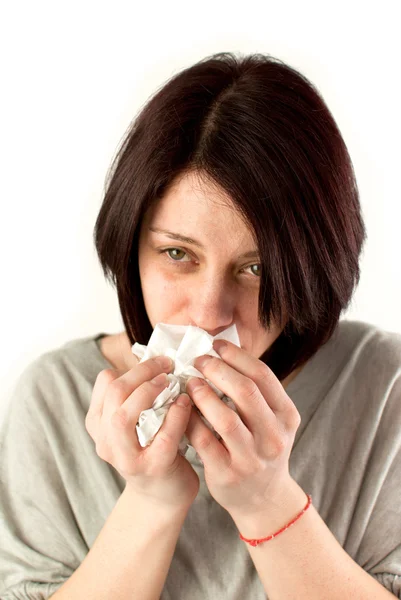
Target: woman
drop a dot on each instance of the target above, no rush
(232, 201)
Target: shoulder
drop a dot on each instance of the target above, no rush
(368, 371)
(369, 345)
(358, 344)
(360, 361)
(66, 372)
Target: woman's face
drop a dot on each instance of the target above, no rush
(199, 265)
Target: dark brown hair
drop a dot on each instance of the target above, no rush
(261, 131)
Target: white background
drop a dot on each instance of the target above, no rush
(73, 76)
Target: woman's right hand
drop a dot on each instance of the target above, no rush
(157, 472)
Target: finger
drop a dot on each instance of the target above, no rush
(253, 408)
(211, 451)
(164, 447)
(227, 423)
(92, 419)
(258, 371)
(122, 422)
(269, 385)
(121, 388)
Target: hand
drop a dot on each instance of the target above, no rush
(248, 467)
(157, 472)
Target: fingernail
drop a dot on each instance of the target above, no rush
(164, 361)
(202, 360)
(161, 379)
(194, 383)
(219, 345)
(183, 400)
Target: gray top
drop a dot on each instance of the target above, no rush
(56, 493)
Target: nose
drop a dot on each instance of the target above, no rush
(212, 305)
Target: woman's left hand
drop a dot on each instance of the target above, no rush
(248, 467)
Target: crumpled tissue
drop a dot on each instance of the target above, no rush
(183, 344)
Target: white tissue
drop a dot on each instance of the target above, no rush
(183, 344)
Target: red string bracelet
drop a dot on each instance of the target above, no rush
(270, 537)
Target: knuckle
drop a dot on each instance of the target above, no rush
(232, 479)
(231, 424)
(164, 437)
(204, 440)
(107, 375)
(278, 445)
(150, 368)
(249, 390)
(262, 372)
(120, 418)
(117, 390)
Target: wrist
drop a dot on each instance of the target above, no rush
(158, 510)
(283, 506)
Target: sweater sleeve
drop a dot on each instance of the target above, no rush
(41, 545)
(380, 546)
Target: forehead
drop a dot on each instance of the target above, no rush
(195, 205)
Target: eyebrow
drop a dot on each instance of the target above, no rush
(188, 240)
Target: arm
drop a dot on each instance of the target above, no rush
(131, 556)
(312, 563)
(249, 477)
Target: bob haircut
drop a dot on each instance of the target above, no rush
(261, 131)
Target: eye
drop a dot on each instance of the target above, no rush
(255, 269)
(176, 254)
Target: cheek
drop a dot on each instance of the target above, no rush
(248, 306)
(161, 293)
(254, 337)
(157, 281)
